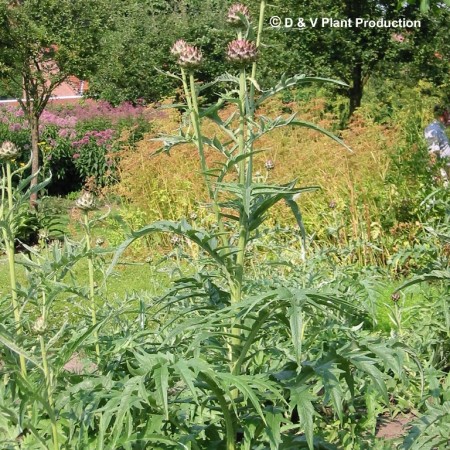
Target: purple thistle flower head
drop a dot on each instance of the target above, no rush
(242, 52)
(178, 47)
(191, 57)
(15, 127)
(233, 16)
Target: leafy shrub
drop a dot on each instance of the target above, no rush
(79, 142)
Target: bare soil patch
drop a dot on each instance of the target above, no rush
(393, 428)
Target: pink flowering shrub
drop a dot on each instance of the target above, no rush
(78, 141)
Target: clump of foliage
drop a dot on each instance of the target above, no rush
(43, 44)
(79, 142)
(257, 343)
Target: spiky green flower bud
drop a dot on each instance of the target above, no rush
(39, 326)
(8, 151)
(86, 201)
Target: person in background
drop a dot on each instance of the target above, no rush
(437, 140)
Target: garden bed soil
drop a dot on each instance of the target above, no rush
(393, 428)
(79, 365)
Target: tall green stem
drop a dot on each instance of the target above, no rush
(236, 293)
(9, 246)
(195, 117)
(188, 96)
(91, 282)
(230, 432)
(244, 181)
(252, 86)
(47, 374)
(192, 102)
(258, 43)
(48, 383)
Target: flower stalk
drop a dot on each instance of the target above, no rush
(87, 229)
(192, 103)
(9, 151)
(86, 203)
(40, 327)
(262, 9)
(245, 181)
(195, 117)
(251, 111)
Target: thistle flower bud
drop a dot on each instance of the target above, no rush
(242, 52)
(233, 17)
(269, 164)
(178, 47)
(39, 326)
(8, 151)
(190, 57)
(86, 202)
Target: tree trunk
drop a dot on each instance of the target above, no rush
(353, 10)
(34, 126)
(356, 90)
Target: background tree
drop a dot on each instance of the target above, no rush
(424, 5)
(140, 42)
(42, 44)
(143, 33)
(353, 54)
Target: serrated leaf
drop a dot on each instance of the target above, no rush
(161, 379)
(286, 83)
(187, 375)
(274, 418)
(8, 342)
(312, 126)
(202, 238)
(302, 399)
(329, 374)
(296, 325)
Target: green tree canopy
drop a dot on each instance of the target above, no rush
(140, 42)
(42, 42)
(353, 54)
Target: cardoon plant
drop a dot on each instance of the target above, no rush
(9, 152)
(240, 206)
(86, 203)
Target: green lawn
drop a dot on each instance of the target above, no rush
(127, 283)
